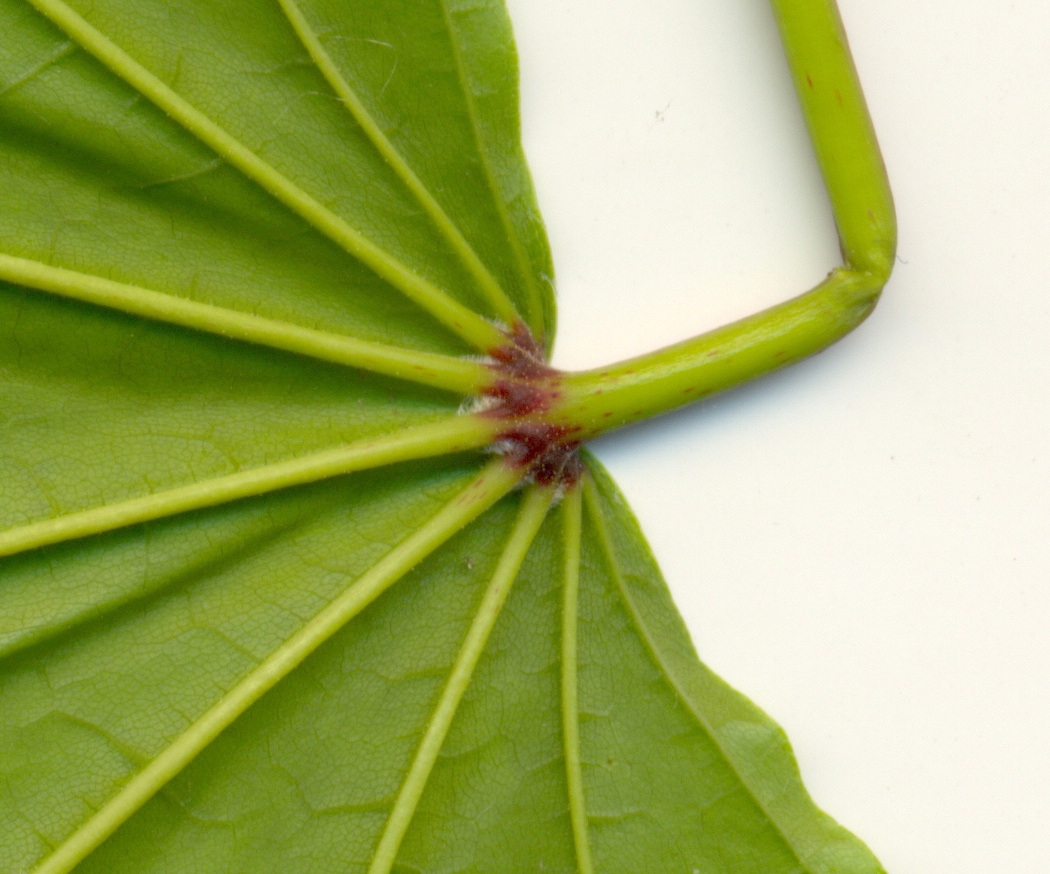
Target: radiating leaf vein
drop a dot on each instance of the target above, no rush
(481, 493)
(570, 707)
(530, 518)
(457, 433)
(486, 282)
(424, 368)
(460, 319)
(597, 517)
(521, 258)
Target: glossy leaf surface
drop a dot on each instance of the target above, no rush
(414, 667)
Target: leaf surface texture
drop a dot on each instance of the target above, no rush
(584, 734)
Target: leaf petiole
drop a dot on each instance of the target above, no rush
(594, 401)
(818, 55)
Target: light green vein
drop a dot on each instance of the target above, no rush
(460, 319)
(530, 517)
(572, 512)
(455, 434)
(597, 516)
(442, 371)
(487, 283)
(53, 57)
(492, 484)
(19, 633)
(521, 258)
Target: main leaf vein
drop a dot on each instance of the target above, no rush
(426, 368)
(570, 707)
(521, 258)
(530, 518)
(455, 434)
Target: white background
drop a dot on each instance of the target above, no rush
(862, 543)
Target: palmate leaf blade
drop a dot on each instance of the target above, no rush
(113, 645)
(90, 418)
(728, 784)
(247, 71)
(105, 184)
(140, 200)
(469, 48)
(310, 773)
(171, 617)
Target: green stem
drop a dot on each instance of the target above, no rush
(484, 491)
(842, 133)
(595, 401)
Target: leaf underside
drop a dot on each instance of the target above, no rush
(582, 733)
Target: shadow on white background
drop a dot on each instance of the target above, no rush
(862, 543)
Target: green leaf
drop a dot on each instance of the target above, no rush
(266, 602)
